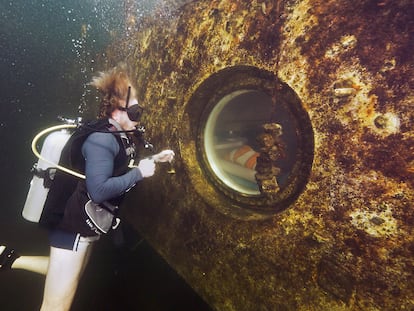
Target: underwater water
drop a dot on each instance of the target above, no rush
(49, 49)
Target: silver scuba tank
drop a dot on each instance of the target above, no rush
(44, 172)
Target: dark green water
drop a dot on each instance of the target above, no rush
(48, 50)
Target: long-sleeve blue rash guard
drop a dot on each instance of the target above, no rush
(99, 151)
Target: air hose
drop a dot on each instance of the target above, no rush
(37, 154)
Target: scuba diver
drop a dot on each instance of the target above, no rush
(78, 211)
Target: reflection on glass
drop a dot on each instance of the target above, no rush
(231, 139)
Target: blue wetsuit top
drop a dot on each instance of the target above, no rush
(99, 151)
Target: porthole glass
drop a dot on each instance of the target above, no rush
(233, 140)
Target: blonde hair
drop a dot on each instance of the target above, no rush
(113, 86)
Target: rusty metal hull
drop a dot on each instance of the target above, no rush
(345, 241)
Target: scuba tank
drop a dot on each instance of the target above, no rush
(43, 172)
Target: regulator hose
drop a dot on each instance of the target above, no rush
(37, 154)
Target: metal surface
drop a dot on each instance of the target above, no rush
(345, 242)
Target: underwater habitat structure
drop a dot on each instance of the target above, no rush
(292, 127)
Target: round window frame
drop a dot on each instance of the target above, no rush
(202, 102)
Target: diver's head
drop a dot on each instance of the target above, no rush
(118, 96)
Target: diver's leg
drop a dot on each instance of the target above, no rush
(87, 256)
(63, 275)
(37, 264)
(9, 259)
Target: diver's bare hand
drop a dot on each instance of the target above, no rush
(164, 156)
(147, 167)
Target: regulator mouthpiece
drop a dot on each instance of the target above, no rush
(139, 134)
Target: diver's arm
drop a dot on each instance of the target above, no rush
(99, 151)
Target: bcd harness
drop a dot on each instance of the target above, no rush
(67, 191)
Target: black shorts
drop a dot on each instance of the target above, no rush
(68, 240)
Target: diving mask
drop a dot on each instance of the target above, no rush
(134, 112)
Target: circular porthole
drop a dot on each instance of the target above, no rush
(254, 140)
(232, 140)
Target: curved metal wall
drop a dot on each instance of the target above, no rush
(345, 242)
